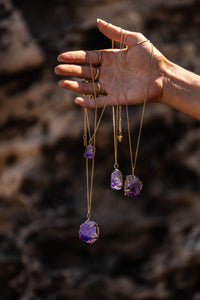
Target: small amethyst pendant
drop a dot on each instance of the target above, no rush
(89, 232)
(132, 186)
(89, 152)
(116, 180)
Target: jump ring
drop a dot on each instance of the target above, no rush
(116, 166)
(97, 75)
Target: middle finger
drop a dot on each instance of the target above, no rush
(87, 88)
(86, 72)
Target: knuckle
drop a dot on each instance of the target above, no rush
(87, 56)
(80, 71)
(140, 36)
(85, 88)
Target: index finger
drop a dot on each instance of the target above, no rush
(118, 34)
(80, 57)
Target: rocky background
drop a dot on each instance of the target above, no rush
(149, 248)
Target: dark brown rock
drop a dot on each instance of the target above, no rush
(149, 248)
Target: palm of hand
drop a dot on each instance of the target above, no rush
(129, 69)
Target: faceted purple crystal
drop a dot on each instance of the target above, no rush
(89, 232)
(116, 180)
(89, 152)
(132, 186)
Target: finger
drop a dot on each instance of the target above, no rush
(87, 88)
(85, 72)
(100, 101)
(118, 34)
(80, 57)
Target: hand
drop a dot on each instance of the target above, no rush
(116, 65)
(169, 83)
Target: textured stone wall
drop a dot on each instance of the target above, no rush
(149, 248)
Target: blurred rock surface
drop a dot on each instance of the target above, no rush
(149, 249)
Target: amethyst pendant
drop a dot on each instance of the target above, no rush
(116, 180)
(89, 232)
(132, 186)
(89, 152)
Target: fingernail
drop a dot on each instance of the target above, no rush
(59, 58)
(76, 101)
(100, 20)
(55, 70)
(60, 83)
(79, 100)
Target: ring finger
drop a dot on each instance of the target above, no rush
(87, 88)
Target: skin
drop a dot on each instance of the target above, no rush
(169, 83)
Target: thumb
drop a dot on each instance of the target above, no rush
(118, 34)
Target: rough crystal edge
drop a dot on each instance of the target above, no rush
(128, 192)
(86, 239)
(89, 152)
(120, 174)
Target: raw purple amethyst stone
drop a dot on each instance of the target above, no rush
(89, 152)
(116, 180)
(132, 186)
(89, 232)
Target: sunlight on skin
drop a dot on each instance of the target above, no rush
(169, 83)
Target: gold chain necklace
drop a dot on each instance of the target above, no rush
(133, 185)
(116, 181)
(89, 230)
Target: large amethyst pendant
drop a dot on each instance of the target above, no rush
(132, 186)
(116, 180)
(89, 152)
(89, 232)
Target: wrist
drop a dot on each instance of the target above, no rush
(181, 89)
(160, 79)
(168, 78)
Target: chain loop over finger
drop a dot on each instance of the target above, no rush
(99, 57)
(99, 88)
(97, 75)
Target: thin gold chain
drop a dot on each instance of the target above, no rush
(114, 136)
(87, 187)
(133, 164)
(116, 116)
(105, 102)
(88, 123)
(119, 121)
(86, 160)
(127, 114)
(92, 139)
(86, 126)
(95, 99)
(96, 125)
(143, 110)
(128, 125)
(114, 125)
